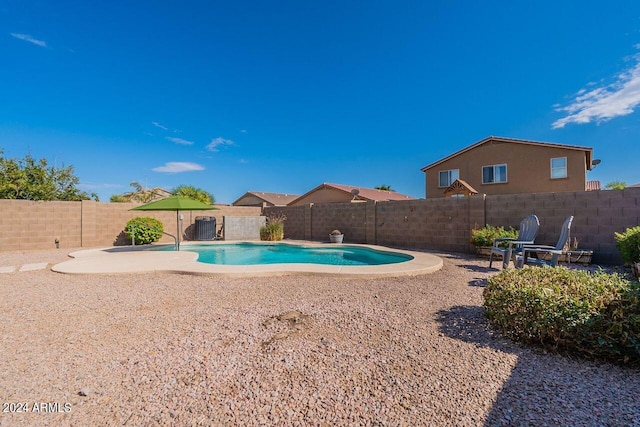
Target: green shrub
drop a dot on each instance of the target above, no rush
(484, 236)
(147, 230)
(629, 244)
(595, 316)
(274, 229)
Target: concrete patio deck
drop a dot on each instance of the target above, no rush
(140, 259)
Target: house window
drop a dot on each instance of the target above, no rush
(447, 177)
(494, 174)
(558, 167)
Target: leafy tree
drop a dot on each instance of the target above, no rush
(118, 198)
(384, 187)
(615, 185)
(31, 179)
(139, 194)
(194, 193)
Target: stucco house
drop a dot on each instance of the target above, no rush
(497, 165)
(336, 193)
(260, 198)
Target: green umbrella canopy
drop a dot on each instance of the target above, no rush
(175, 203)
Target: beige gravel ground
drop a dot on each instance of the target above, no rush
(167, 349)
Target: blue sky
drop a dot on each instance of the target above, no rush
(281, 96)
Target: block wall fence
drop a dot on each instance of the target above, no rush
(446, 223)
(438, 224)
(27, 225)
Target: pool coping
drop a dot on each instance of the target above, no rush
(138, 259)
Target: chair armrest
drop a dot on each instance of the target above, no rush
(501, 239)
(520, 242)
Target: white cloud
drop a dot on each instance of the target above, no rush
(158, 125)
(28, 38)
(243, 131)
(604, 102)
(179, 141)
(218, 142)
(89, 186)
(176, 167)
(243, 161)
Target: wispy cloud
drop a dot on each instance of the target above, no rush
(179, 140)
(176, 167)
(243, 161)
(158, 125)
(604, 102)
(90, 186)
(28, 38)
(243, 131)
(218, 142)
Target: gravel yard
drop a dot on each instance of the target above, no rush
(168, 349)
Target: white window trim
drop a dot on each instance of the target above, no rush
(506, 173)
(447, 170)
(566, 167)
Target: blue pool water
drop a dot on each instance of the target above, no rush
(251, 254)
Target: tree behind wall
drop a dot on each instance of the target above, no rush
(615, 185)
(194, 193)
(32, 179)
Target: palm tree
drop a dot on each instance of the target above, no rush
(384, 187)
(194, 193)
(139, 194)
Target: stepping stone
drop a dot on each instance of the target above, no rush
(34, 266)
(9, 269)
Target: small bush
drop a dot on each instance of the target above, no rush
(274, 229)
(629, 244)
(484, 236)
(147, 230)
(595, 316)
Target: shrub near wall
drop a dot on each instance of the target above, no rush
(596, 316)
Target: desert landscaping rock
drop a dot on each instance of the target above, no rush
(169, 349)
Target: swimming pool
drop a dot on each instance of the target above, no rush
(280, 253)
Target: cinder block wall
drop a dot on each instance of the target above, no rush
(297, 226)
(28, 225)
(446, 223)
(349, 218)
(443, 223)
(434, 223)
(597, 216)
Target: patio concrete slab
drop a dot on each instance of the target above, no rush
(34, 266)
(141, 259)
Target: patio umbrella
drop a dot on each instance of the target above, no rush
(175, 203)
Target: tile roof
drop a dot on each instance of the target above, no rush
(363, 192)
(278, 199)
(593, 185)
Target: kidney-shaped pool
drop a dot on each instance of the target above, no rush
(280, 253)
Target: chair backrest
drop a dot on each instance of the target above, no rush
(564, 233)
(529, 228)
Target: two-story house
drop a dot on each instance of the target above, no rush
(498, 165)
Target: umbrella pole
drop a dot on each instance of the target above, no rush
(177, 230)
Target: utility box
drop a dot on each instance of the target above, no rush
(205, 228)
